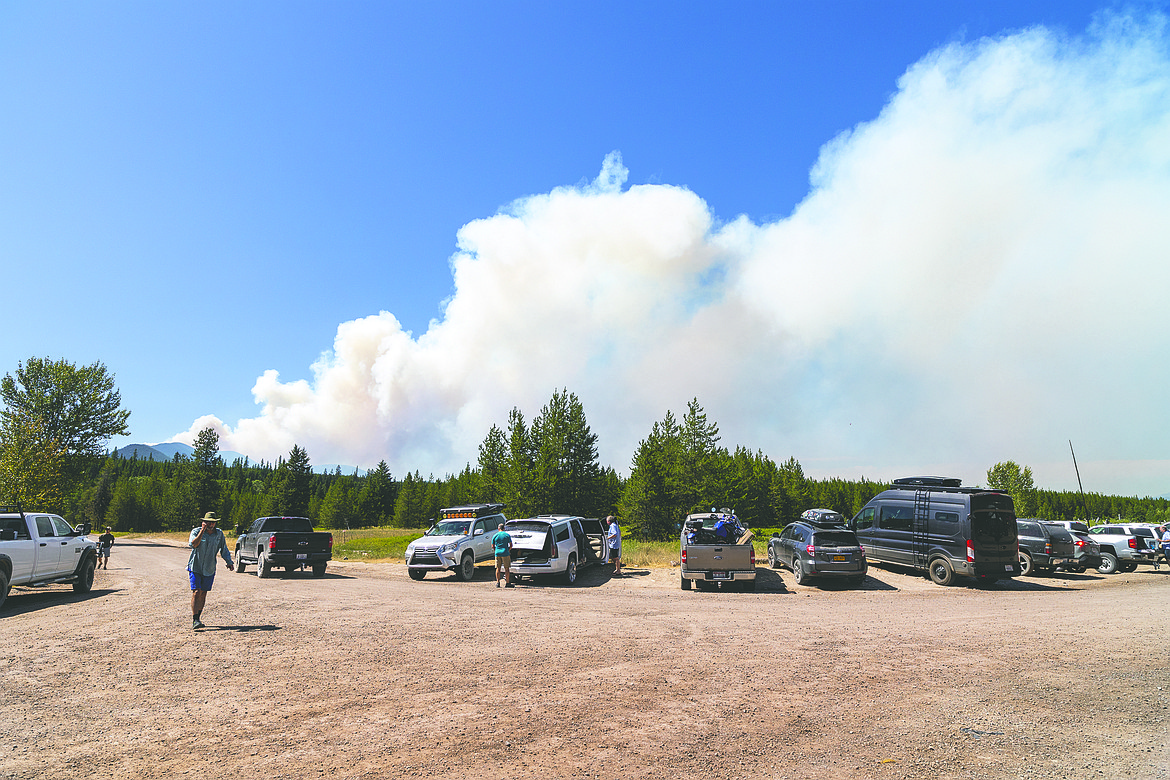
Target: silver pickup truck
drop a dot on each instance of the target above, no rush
(714, 549)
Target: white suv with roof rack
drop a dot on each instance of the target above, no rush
(461, 538)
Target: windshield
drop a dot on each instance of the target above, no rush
(450, 528)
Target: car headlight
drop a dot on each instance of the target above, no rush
(450, 547)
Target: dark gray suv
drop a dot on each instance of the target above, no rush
(824, 547)
(1043, 546)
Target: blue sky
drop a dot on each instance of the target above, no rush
(884, 238)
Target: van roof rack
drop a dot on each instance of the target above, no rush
(942, 482)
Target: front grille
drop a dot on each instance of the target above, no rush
(425, 558)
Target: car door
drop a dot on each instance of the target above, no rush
(48, 561)
(71, 546)
(482, 531)
(787, 547)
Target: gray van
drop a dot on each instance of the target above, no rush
(935, 524)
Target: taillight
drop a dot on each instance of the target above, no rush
(330, 542)
(684, 555)
(556, 553)
(272, 542)
(1048, 548)
(1079, 542)
(753, 556)
(862, 548)
(812, 550)
(970, 552)
(1132, 543)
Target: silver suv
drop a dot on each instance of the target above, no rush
(460, 539)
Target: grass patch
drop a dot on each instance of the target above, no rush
(374, 544)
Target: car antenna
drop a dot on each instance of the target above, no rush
(1084, 503)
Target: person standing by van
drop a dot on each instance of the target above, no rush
(502, 543)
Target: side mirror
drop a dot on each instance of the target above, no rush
(775, 535)
(477, 532)
(81, 530)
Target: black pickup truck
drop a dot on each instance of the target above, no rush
(290, 542)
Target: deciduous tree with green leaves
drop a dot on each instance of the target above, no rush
(1009, 476)
(79, 406)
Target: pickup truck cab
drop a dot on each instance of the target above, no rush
(556, 546)
(290, 542)
(38, 548)
(715, 549)
(461, 538)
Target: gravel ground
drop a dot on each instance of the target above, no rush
(365, 673)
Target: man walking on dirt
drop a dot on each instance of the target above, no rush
(206, 542)
(502, 542)
(105, 542)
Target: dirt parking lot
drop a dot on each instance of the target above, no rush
(365, 673)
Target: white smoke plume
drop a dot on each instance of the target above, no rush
(978, 274)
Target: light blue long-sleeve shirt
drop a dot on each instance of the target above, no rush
(202, 560)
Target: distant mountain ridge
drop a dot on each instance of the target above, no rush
(167, 451)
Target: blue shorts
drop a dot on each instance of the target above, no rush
(200, 581)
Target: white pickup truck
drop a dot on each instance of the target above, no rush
(37, 548)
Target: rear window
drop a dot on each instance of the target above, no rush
(15, 524)
(1028, 529)
(1143, 532)
(834, 539)
(526, 525)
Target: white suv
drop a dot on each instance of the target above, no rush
(460, 539)
(556, 545)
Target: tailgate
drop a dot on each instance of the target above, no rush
(718, 557)
(288, 542)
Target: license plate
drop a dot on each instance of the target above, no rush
(719, 575)
(302, 556)
(840, 557)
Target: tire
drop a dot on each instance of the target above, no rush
(318, 570)
(570, 575)
(465, 571)
(1108, 563)
(941, 572)
(239, 563)
(684, 583)
(83, 582)
(1126, 568)
(263, 567)
(3, 589)
(798, 572)
(773, 561)
(1027, 565)
(416, 574)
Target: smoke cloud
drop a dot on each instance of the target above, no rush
(978, 274)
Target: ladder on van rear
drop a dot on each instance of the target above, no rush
(921, 540)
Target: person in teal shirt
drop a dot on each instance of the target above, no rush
(502, 542)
